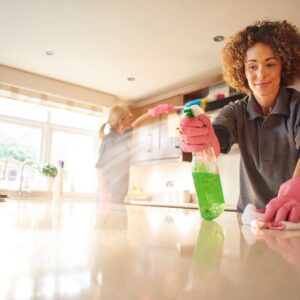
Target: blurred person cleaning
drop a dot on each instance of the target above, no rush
(113, 164)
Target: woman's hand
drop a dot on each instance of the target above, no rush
(197, 133)
(286, 206)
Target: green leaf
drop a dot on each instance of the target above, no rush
(48, 170)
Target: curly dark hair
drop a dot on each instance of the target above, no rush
(282, 37)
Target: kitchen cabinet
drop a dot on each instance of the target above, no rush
(158, 138)
(144, 142)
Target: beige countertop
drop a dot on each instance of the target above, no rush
(85, 250)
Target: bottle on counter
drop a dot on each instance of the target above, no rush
(207, 183)
(58, 184)
(206, 175)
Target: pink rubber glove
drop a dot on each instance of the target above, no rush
(197, 133)
(160, 109)
(286, 206)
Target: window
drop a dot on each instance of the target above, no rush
(23, 110)
(42, 134)
(18, 142)
(74, 119)
(77, 152)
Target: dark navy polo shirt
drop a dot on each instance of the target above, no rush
(269, 145)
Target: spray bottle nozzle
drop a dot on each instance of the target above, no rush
(195, 108)
(193, 102)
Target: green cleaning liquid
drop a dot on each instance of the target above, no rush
(209, 194)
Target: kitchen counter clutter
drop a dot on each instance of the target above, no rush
(87, 250)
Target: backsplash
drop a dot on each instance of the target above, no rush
(155, 178)
(159, 178)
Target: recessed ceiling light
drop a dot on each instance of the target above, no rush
(218, 38)
(131, 79)
(49, 52)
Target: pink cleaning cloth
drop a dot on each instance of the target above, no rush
(253, 217)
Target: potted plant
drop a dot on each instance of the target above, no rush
(50, 171)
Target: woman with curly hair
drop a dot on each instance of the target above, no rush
(261, 61)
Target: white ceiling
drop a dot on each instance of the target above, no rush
(164, 44)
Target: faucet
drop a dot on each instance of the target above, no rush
(25, 162)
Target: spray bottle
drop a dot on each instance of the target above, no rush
(205, 172)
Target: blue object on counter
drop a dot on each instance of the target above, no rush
(61, 164)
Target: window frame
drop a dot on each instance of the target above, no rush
(47, 133)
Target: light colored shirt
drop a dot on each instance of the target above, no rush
(114, 162)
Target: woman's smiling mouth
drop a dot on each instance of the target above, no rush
(262, 84)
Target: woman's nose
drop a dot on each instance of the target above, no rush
(261, 72)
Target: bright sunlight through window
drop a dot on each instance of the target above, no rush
(46, 135)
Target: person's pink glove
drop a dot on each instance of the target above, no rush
(286, 206)
(197, 133)
(160, 109)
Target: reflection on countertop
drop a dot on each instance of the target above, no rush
(88, 250)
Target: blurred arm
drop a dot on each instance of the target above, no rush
(152, 113)
(140, 120)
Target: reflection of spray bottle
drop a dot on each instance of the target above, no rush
(207, 256)
(206, 173)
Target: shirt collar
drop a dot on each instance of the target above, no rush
(281, 106)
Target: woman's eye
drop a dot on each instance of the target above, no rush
(252, 67)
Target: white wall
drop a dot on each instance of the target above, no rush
(155, 178)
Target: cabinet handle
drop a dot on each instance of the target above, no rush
(149, 148)
(176, 139)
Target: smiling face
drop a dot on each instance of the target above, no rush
(263, 73)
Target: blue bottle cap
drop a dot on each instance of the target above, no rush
(61, 164)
